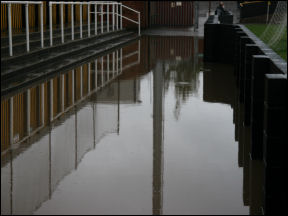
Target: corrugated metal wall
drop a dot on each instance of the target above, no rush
(169, 13)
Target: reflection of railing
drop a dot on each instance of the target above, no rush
(102, 76)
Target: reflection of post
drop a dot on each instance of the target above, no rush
(195, 54)
(42, 105)
(121, 58)
(89, 74)
(51, 100)
(157, 139)
(73, 86)
(102, 71)
(28, 111)
(113, 64)
(94, 132)
(117, 62)
(62, 92)
(81, 81)
(96, 75)
(118, 106)
(107, 62)
(11, 119)
(76, 159)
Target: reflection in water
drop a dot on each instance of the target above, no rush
(64, 151)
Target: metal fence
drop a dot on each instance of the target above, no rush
(113, 12)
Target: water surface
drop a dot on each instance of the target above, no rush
(157, 137)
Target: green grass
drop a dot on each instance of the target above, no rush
(280, 48)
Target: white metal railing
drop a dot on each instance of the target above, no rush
(116, 14)
(27, 3)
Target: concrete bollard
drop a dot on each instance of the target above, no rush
(250, 50)
(260, 66)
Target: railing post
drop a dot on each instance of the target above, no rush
(107, 16)
(139, 24)
(10, 29)
(62, 23)
(117, 17)
(72, 21)
(41, 25)
(96, 14)
(139, 51)
(81, 33)
(27, 26)
(117, 62)
(89, 77)
(50, 24)
(113, 17)
(88, 17)
(121, 19)
(102, 30)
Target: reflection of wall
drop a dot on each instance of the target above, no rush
(30, 183)
(219, 84)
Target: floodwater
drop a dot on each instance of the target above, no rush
(157, 137)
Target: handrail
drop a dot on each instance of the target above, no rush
(116, 12)
(27, 3)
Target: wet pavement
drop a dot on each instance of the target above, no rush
(151, 133)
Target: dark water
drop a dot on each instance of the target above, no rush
(157, 138)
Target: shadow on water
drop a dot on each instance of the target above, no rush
(89, 140)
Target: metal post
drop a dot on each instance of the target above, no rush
(107, 16)
(27, 26)
(268, 7)
(121, 19)
(96, 74)
(89, 77)
(88, 17)
(50, 24)
(81, 33)
(102, 30)
(117, 17)
(72, 21)
(62, 24)
(42, 105)
(10, 29)
(11, 119)
(28, 112)
(73, 86)
(96, 16)
(139, 24)
(113, 17)
(41, 25)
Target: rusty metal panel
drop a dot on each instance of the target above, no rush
(168, 13)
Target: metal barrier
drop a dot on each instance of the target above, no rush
(27, 3)
(115, 13)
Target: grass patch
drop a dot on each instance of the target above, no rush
(280, 48)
